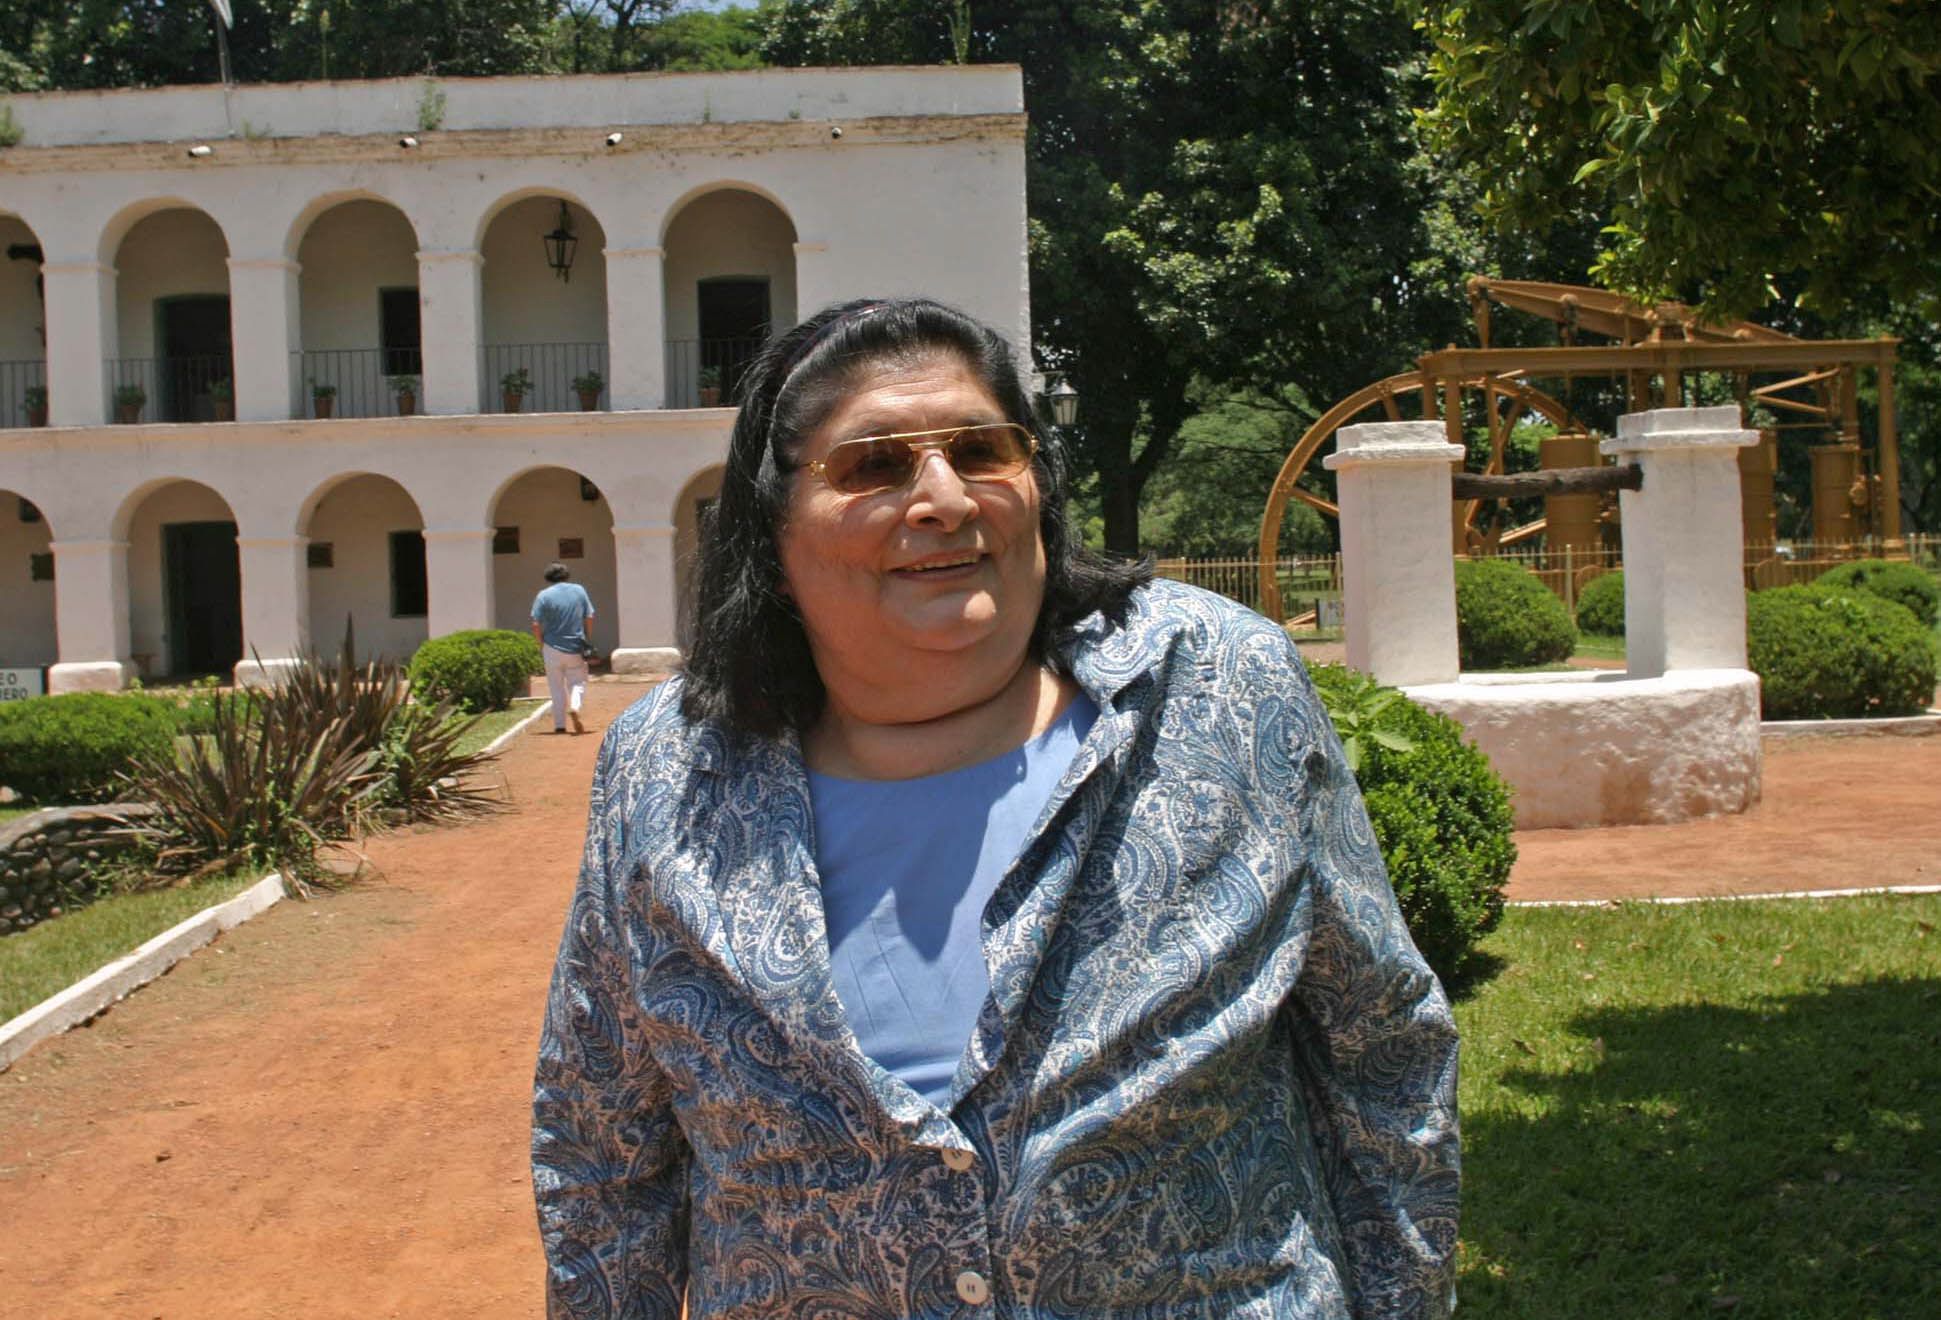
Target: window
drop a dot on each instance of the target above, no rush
(322, 554)
(505, 540)
(408, 590)
(397, 314)
(40, 568)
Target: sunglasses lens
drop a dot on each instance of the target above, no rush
(989, 453)
(879, 463)
(860, 467)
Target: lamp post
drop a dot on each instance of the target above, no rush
(560, 245)
(1064, 404)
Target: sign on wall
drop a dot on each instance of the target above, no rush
(20, 684)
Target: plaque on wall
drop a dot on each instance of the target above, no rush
(572, 547)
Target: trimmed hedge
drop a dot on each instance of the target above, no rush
(1900, 582)
(1823, 653)
(72, 748)
(477, 670)
(1506, 617)
(1600, 605)
(1441, 814)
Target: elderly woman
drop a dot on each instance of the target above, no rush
(977, 928)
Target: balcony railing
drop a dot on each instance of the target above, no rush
(551, 369)
(172, 389)
(725, 359)
(363, 381)
(16, 378)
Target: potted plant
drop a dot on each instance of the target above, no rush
(129, 402)
(515, 386)
(222, 393)
(406, 388)
(588, 387)
(323, 397)
(710, 383)
(34, 404)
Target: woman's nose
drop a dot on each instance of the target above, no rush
(938, 496)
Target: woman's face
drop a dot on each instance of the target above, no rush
(941, 571)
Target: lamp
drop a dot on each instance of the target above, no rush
(1064, 403)
(560, 244)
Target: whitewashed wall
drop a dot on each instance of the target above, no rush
(546, 506)
(525, 303)
(348, 254)
(165, 255)
(26, 606)
(177, 502)
(20, 327)
(728, 232)
(357, 518)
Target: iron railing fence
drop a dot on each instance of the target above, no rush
(1309, 584)
(171, 389)
(1564, 570)
(721, 360)
(361, 381)
(16, 378)
(551, 369)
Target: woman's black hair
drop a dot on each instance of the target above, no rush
(748, 664)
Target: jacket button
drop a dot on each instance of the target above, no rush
(958, 1161)
(972, 1288)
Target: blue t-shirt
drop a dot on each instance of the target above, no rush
(907, 866)
(561, 611)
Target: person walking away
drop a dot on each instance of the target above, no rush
(562, 616)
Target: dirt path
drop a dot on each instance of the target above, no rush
(325, 1114)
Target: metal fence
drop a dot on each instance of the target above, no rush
(359, 381)
(171, 389)
(1310, 584)
(697, 364)
(16, 378)
(551, 370)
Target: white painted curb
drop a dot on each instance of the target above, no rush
(122, 977)
(1904, 726)
(1724, 898)
(498, 744)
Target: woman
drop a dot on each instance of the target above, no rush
(977, 928)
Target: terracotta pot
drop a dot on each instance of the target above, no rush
(324, 405)
(407, 403)
(37, 416)
(710, 396)
(514, 402)
(127, 414)
(225, 409)
(589, 400)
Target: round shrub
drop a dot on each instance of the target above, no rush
(1900, 582)
(1441, 814)
(478, 669)
(1506, 617)
(70, 748)
(1600, 605)
(1827, 654)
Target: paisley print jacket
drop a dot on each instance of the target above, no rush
(1213, 1077)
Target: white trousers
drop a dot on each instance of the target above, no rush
(565, 682)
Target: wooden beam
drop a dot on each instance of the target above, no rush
(1557, 481)
(1664, 356)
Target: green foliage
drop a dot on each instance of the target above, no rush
(73, 748)
(1898, 581)
(431, 108)
(1724, 144)
(1441, 814)
(518, 381)
(130, 396)
(1600, 605)
(1824, 653)
(10, 130)
(1506, 617)
(477, 669)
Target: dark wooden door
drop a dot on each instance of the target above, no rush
(195, 355)
(204, 581)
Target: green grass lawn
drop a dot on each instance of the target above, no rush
(1714, 1109)
(14, 812)
(495, 722)
(1594, 647)
(47, 958)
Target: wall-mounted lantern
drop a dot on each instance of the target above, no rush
(560, 245)
(1064, 403)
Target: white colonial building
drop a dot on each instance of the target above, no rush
(300, 258)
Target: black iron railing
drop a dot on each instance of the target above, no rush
(356, 382)
(171, 389)
(23, 393)
(550, 371)
(703, 373)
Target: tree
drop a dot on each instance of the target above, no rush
(1737, 149)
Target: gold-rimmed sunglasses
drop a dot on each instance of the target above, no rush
(989, 451)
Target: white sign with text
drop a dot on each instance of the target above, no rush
(20, 684)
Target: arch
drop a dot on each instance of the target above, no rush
(357, 293)
(366, 564)
(700, 491)
(505, 201)
(27, 638)
(23, 322)
(701, 190)
(300, 224)
(121, 222)
(185, 606)
(172, 339)
(541, 507)
(728, 282)
(553, 330)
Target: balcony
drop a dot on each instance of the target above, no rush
(547, 371)
(704, 373)
(16, 379)
(171, 389)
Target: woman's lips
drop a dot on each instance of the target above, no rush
(941, 566)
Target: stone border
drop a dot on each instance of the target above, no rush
(499, 743)
(1903, 726)
(120, 978)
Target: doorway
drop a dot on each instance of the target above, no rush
(733, 323)
(193, 332)
(203, 586)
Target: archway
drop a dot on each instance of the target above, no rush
(172, 314)
(359, 293)
(700, 492)
(730, 282)
(23, 327)
(549, 514)
(367, 566)
(27, 639)
(552, 329)
(185, 598)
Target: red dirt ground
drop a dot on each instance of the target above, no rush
(325, 1114)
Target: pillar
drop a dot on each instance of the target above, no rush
(81, 337)
(1758, 466)
(1684, 576)
(265, 323)
(1836, 475)
(458, 579)
(276, 606)
(648, 602)
(1398, 579)
(636, 328)
(451, 315)
(817, 283)
(90, 616)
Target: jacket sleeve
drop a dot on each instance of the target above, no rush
(609, 1162)
(1377, 1046)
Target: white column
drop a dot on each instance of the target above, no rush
(1684, 571)
(265, 323)
(458, 578)
(90, 616)
(636, 328)
(451, 316)
(276, 606)
(644, 569)
(1398, 579)
(815, 285)
(81, 336)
